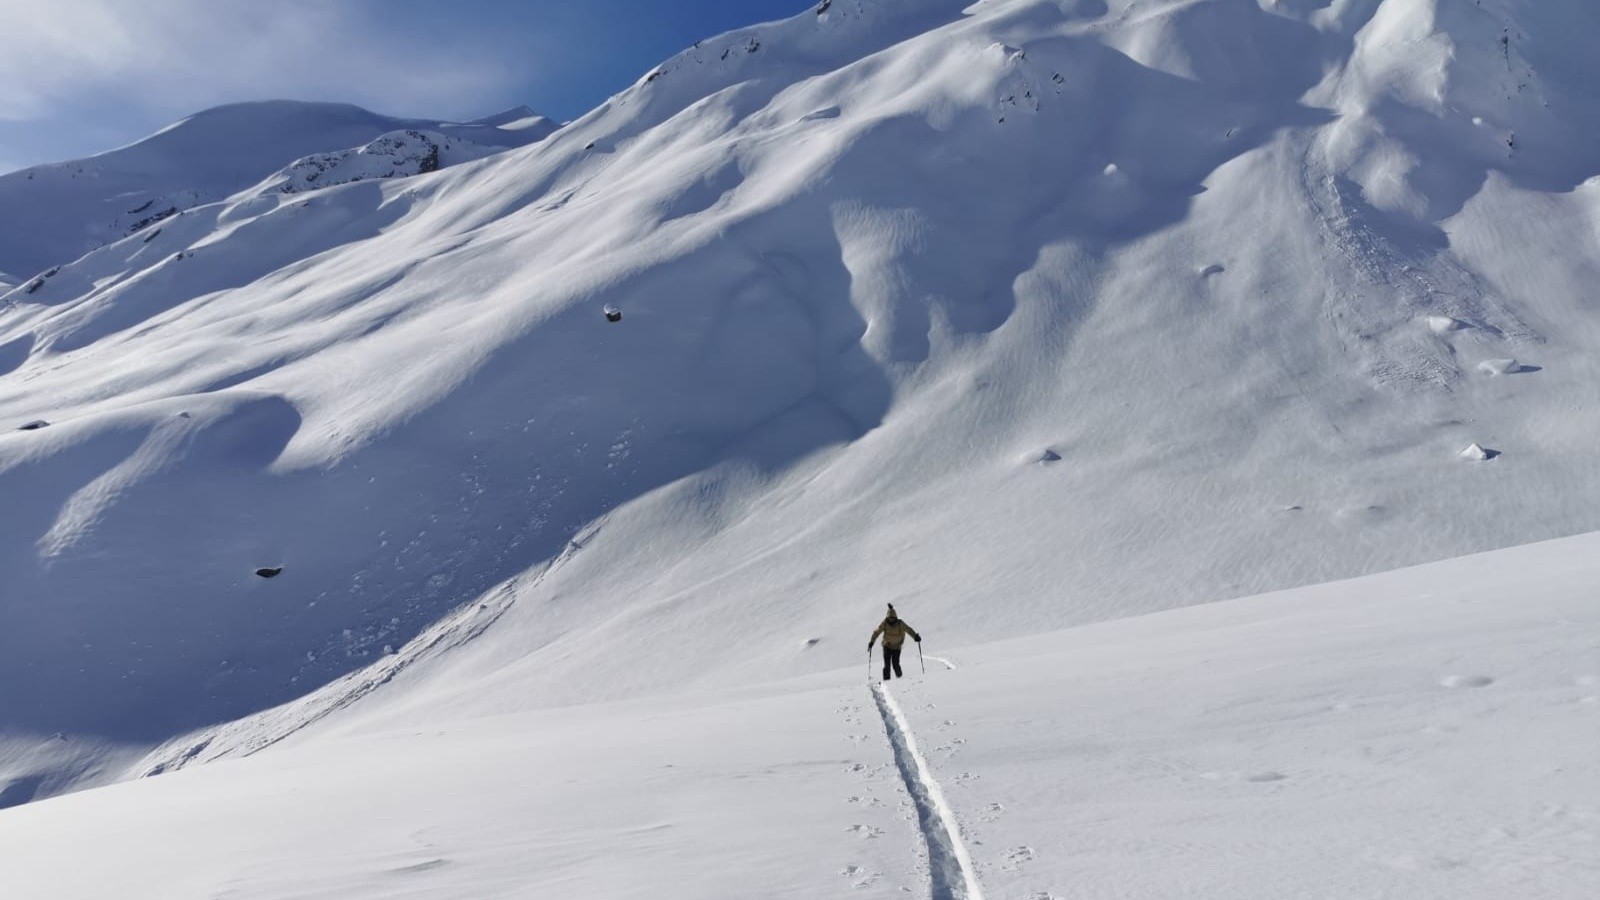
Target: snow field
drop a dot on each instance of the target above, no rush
(1422, 733)
(756, 794)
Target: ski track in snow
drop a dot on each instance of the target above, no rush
(943, 662)
(951, 875)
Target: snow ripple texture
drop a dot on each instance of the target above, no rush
(950, 871)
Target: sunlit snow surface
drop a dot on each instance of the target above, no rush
(1020, 315)
(1426, 733)
(52, 214)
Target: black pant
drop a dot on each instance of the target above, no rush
(891, 657)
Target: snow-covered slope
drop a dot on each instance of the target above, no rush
(1425, 734)
(1020, 314)
(52, 214)
(399, 154)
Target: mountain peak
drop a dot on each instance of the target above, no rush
(504, 117)
(52, 214)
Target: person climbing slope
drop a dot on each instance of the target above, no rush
(894, 633)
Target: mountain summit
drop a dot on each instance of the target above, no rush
(52, 214)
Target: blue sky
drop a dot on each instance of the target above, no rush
(82, 76)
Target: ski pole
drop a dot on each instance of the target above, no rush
(869, 662)
(919, 658)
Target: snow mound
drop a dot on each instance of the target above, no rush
(1476, 452)
(1444, 324)
(1500, 367)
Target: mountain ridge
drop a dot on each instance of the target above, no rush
(58, 211)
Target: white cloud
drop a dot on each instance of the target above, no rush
(172, 57)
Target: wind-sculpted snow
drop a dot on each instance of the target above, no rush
(1021, 314)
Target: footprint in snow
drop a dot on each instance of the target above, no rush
(862, 878)
(1266, 777)
(864, 831)
(1016, 856)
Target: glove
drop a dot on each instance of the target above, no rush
(869, 646)
(916, 638)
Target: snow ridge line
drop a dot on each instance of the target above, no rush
(951, 874)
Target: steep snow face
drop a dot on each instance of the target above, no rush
(52, 214)
(1018, 314)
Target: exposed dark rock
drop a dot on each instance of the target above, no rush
(149, 220)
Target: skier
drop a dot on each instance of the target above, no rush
(894, 633)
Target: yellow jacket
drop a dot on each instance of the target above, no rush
(894, 633)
